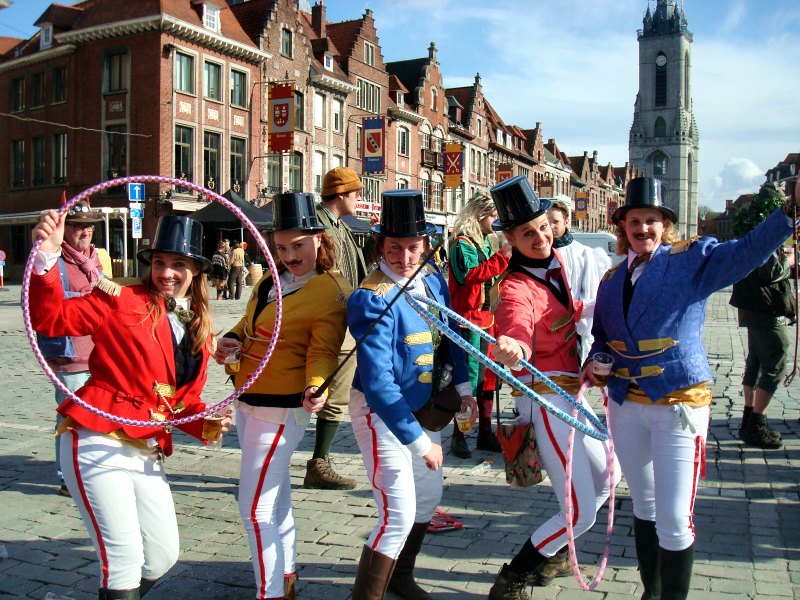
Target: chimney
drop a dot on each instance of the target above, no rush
(432, 52)
(318, 19)
(594, 156)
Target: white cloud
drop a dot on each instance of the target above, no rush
(738, 176)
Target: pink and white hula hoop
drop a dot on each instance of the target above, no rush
(569, 508)
(26, 279)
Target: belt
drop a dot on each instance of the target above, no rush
(569, 383)
(694, 395)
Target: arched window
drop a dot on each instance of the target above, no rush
(661, 80)
(687, 101)
(660, 128)
(660, 165)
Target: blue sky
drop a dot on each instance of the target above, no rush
(573, 66)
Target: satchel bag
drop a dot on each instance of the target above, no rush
(520, 454)
(440, 410)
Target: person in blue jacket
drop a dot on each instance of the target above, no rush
(649, 316)
(400, 363)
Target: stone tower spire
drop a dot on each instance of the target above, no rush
(664, 141)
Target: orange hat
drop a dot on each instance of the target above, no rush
(340, 180)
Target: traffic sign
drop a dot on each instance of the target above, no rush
(136, 228)
(2, 255)
(137, 213)
(135, 192)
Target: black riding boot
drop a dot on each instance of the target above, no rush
(676, 573)
(647, 555)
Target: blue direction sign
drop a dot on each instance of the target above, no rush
(136, 192)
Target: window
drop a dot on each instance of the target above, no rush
(336, 161)
(212, 81)
(434, 97)
(359, 131)
(660, 164)
(60, 158)
(473, 166)
(372, 189)
(237, 161)
(296, 172)
(403, 137)
(286, 43)
(661, 81)
(320, 116)
(37, 90)
(400, 98)
(211, 17)
(402, 184)
(37, 161)
(338, 116)
(437, 195)
(369, 96)
(17, 163)
(687, 101)
(274, 172)
(298, 111)
(18, 94)
(426, 141)
(660, 128)
(238, 88)
(117, 142)
(116, 72)
(319, 170)
(46, 38)
(480, 128)
(184, 151)
(369, 54)
(184, 73)
(424, 185)
(328, 62)
(59, 83)
(211, 148)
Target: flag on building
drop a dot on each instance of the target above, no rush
(281, 117)
(612, 206)
(504, 171)
(373, 148)
(580, 205)
(452, 165)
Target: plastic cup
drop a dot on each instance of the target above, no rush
(464, 420)
(601, 366)
(233, 349)
(212, 427)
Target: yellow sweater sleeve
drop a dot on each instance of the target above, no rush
(327, 330)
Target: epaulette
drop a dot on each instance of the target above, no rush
(110, 287)
(608, 273)
(683, 245)
(344, 287)
(378, 282)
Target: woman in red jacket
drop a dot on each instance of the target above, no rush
(152, 343)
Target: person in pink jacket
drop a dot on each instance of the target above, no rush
(536, 320)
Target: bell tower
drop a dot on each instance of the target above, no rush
(664, 142)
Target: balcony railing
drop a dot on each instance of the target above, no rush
(431, 158)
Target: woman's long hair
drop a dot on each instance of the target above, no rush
(669, 237)
(474, 210)
(199, 329)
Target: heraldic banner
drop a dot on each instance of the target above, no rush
(372, 145)
(452, 165)
(281, 117)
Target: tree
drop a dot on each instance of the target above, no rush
(702, 211)
(769, 198)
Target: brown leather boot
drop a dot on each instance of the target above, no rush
(402, 582)
(321, 476)
(374, 572)
(509, 585)
(557, 565)
(288, 586)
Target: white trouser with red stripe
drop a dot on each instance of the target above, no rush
(590, 484)
(405, 490)
(125, 502)
(265, 491)
(662, 460)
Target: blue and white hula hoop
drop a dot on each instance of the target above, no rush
(597, 430)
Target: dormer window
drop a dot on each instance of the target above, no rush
(46, 37)
(211, 17)
(400, 99)
(328, 61)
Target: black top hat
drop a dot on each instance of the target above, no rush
(517, 203)
(643, 192)
(295, 210)
(81, 212)
(178, 235)
(403, 215)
